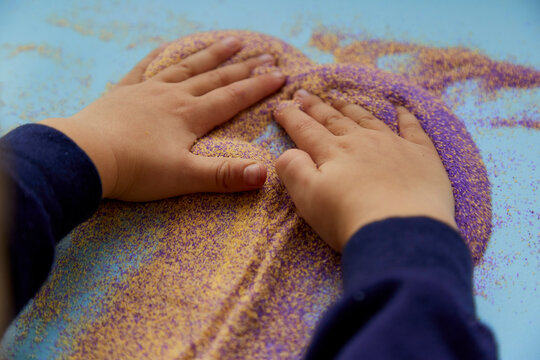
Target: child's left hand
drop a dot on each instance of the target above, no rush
(140, 134)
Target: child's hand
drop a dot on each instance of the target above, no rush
(140, 134)
(350, 169)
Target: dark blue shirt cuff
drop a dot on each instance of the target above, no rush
(55, 186)
(398, 244)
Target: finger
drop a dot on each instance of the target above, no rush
(209, 174)
(410, 128)
(202, 61)
(306, 133)
(211, 80)
(224, 103)
(297, 171)
(135, 75)
(361, 116)
(325, 114)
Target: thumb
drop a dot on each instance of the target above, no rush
(296, 170)
(220, 174)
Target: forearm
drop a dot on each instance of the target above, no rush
(408, 293)
(54, 187)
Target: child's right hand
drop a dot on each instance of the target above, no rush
(350, 169)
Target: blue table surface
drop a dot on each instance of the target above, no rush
(57, 56)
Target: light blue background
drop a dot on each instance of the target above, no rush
(73, 49)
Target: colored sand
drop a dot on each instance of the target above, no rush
(241, 275)
(378, 92)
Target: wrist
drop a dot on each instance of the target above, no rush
(351, 224)
(93, 144)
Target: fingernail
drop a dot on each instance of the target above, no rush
(252, 175)
(283, 105)
(266, 59)
(231, 42)
(301, 93)
(278, 75)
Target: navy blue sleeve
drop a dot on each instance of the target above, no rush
(408, 291)
(408, 295)
(54, 186)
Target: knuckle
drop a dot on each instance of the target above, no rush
(185, 109)
(364, 119)
(223, 175)
(339, 131)
(302, 126)
(409, 126)
(340, 105)
(344, 143)
(159, 91)
(219, 77)
(235, 93)
(186, 69)
(332, 119)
